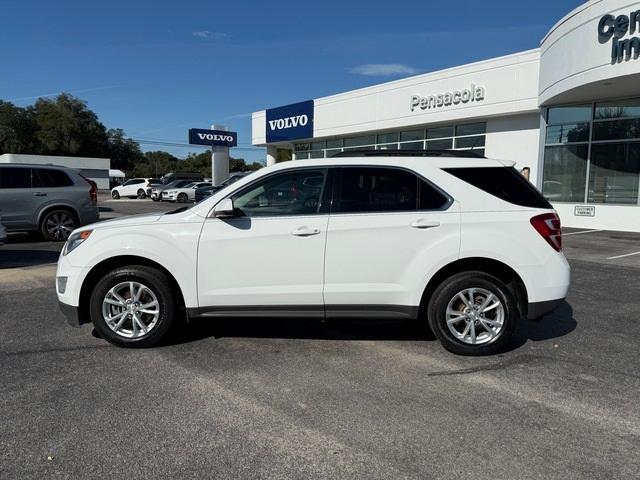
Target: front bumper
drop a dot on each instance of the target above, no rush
(536, 310)
(71, 313)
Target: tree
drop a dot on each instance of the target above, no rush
(17, 129)
(124, 152)
(65, 126)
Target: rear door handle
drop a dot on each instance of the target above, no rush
(424, 223)
(305, 231)
(39, 194)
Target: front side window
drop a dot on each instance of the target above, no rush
(15, 177)
(297, 192)
(371, 189)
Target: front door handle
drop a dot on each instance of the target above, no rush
(424, 223)
(305, 231)
(39, 194)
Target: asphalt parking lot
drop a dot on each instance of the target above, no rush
(300, 398)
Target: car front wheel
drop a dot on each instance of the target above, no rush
(115, 195)
(183, 198)
(142, 194)
(473, 313)
(133, 306)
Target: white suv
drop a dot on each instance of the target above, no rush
(133, 188)
(458, 242)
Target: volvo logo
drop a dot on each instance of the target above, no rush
(214, 137)
(289, 122)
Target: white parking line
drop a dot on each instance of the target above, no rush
(581, 231)
(625, 255)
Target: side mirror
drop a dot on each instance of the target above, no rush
(224, 209)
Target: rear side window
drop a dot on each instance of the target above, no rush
(505, 183)
(374, 189)
(15, 177)
(49, 178)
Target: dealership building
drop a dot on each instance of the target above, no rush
(567, 112)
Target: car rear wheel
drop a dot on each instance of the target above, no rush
(57, 225)
(142, 194)
(183, 198)
(133, 306)
(115, 195)
(473, 313)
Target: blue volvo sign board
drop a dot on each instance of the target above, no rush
(216, 138)
(290, 122)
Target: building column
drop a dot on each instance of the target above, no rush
(219, 160)
(272, 155)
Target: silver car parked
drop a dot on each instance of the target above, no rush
(50, 199)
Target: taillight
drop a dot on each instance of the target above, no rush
(548, 226)
(93, 189)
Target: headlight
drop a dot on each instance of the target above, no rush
(75, 240)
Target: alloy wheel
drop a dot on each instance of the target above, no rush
(59, 225)
(130, 309)
(475, 316)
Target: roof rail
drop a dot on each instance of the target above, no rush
(408, 153)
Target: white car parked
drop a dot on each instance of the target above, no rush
(184, 194)
(464, 245)
(133, 188)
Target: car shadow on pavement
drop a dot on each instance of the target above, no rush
(26, 258)
(557, 324)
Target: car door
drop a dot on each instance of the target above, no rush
(269, 258)
(387, 228)
(18, 201)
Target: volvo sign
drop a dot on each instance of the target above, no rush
(214, 138)
(290, 122)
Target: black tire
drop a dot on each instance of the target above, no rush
(155, 199)
(447, 292)
(182, 198)
(156, 281)
(56, 225)
(141, 194)
(115, 195)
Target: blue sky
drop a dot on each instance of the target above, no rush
(156, 68)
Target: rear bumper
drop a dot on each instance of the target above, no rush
(71, 313)
(536, 310)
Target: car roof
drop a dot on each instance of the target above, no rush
(35, 165)
(398, 161)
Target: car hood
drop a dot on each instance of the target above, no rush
(143, 219)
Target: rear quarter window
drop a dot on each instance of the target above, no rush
(506, 183)
(50, 178)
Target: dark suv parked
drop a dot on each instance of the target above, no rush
(50, 199)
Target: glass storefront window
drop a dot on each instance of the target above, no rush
(568, 133)
(616, 129)
(388, 146)
(444, 144)
(412, 146)
(360, 141)
(334, 143)
(470, 142)
(388, 137)
(302, 147)
(569, 114)
(565, 173)
(440, 132)
(411, 135)
(614, 173)
(317, 153)
(618, 109)
(333, 151)
(317, 145)
(302, 155)
(471, 129)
